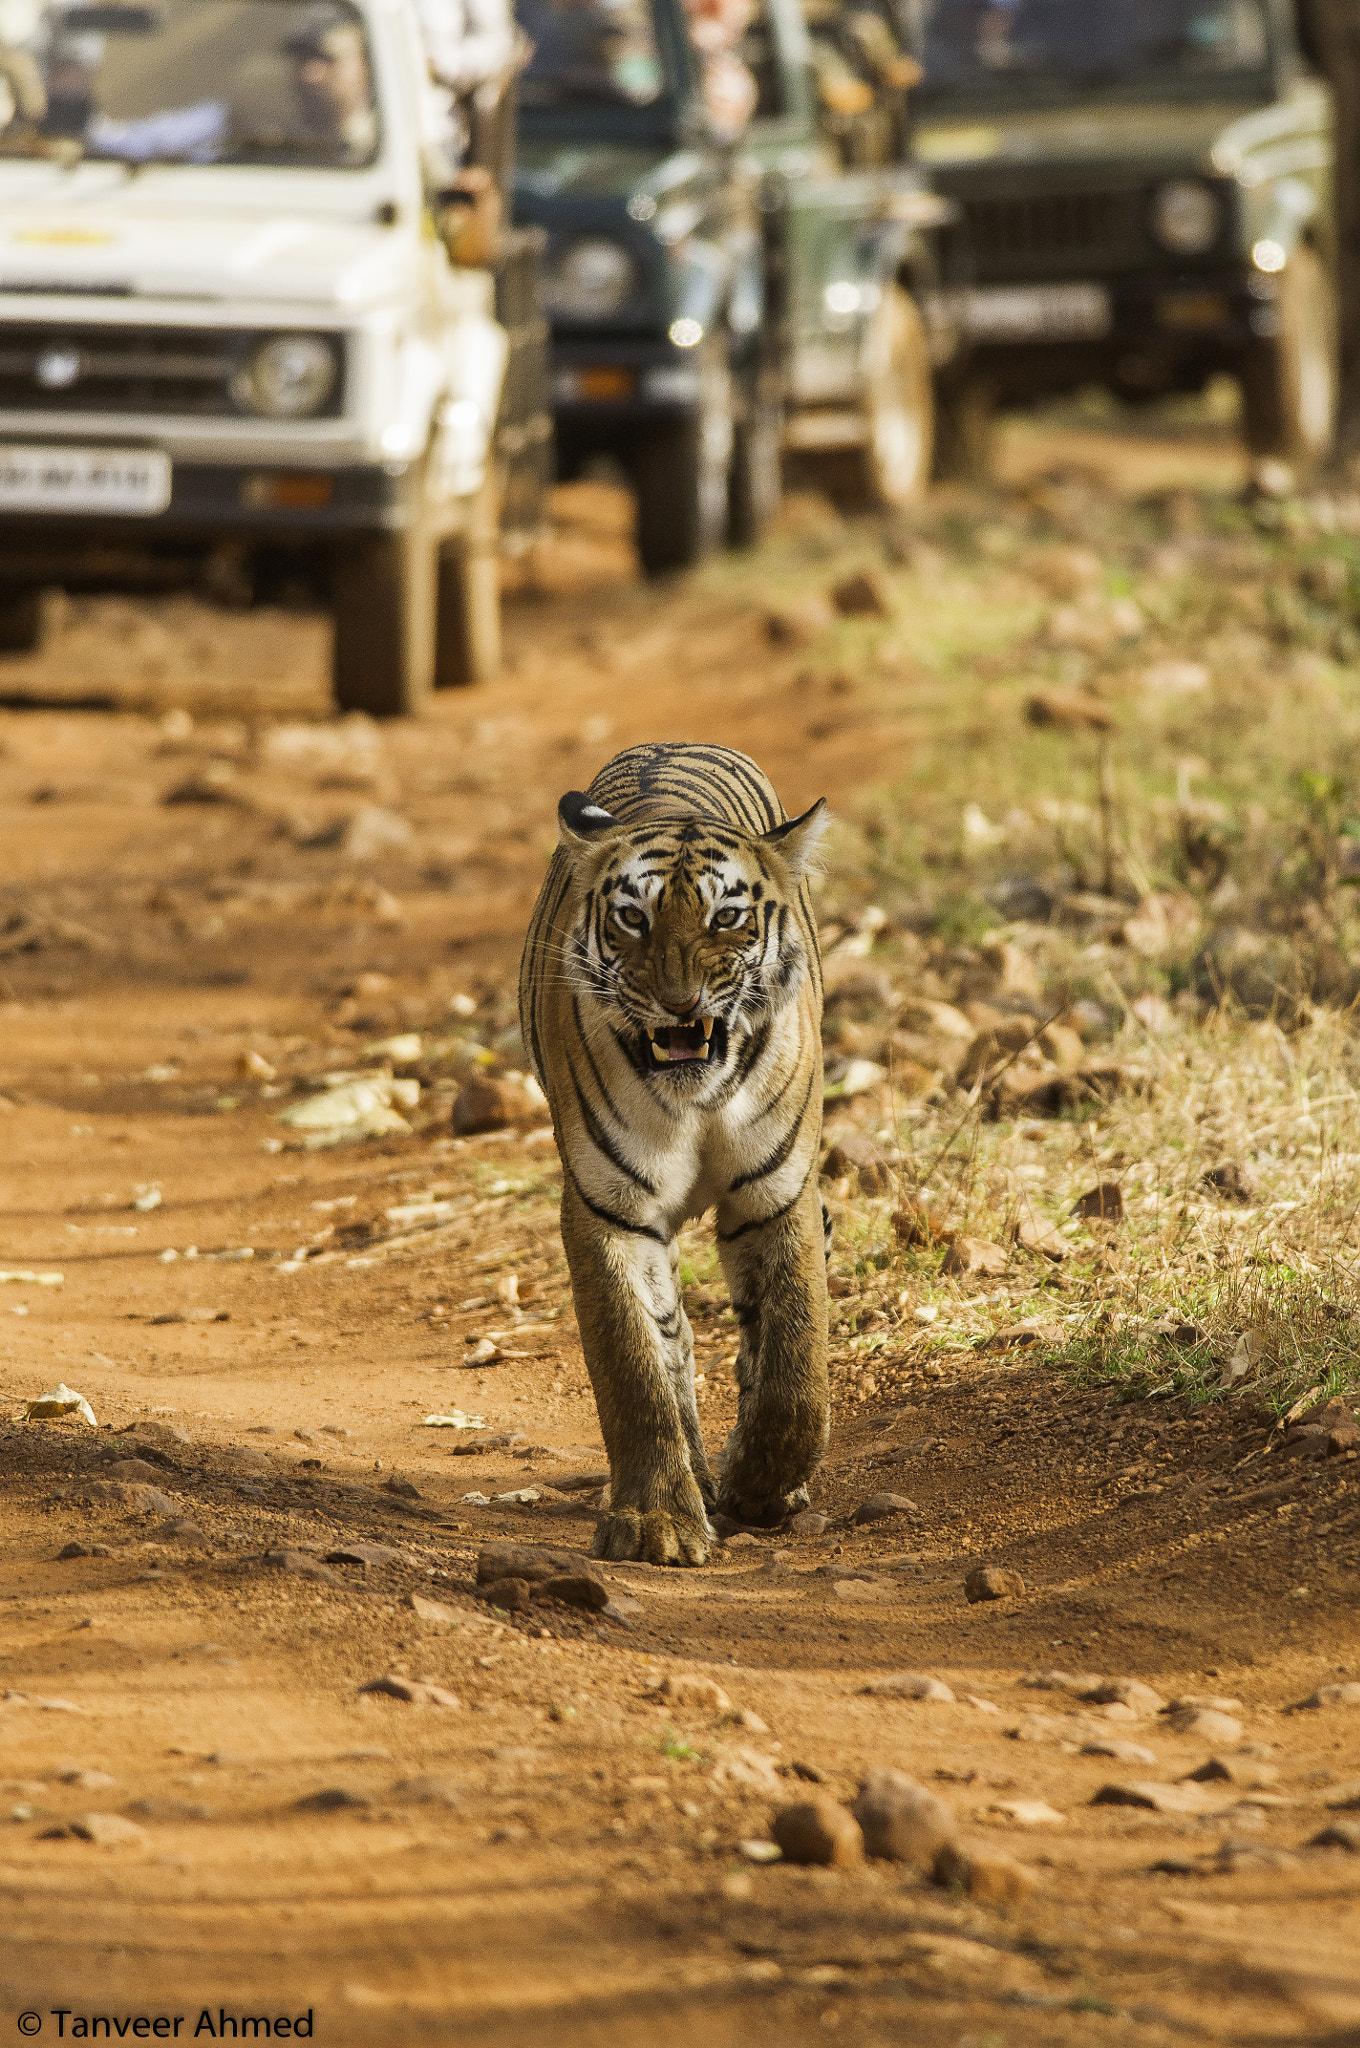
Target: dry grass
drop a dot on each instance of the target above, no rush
(1224, 802)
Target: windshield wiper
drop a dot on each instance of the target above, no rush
(563, 92)
(310, 146)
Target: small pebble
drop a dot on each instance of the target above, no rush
(756, 1851)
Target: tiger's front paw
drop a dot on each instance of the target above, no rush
(761, 1511)
(630, 1536)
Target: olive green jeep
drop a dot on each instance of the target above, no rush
(1147, 201)
(720, 299)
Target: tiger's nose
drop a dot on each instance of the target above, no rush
(678, 1009)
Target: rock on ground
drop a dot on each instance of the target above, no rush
(970, 1256)
(1183, 1798)
(302, 1565)
(819, 1831)
(109, 1831)
(985, 1874)
(909, 1685)
(1204, 1722)
(1233, 1770)
(1338, 1834)
(416, 1692)
(879, 1506)
(991, 1582)
(902, 1821)
(533, 1562)
(513, 1596)
(1126, 1692)
(1346, 1694)
(693, 1689)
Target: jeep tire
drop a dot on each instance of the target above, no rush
(892, 467)
(965, 430)
(22, 620)
(680, 472)
(1291, 380)
(384, 604)
(468, 602)
(755, 482)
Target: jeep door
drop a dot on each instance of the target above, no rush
(814, 213)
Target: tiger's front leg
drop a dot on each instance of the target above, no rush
(776, 1273)
(635, 1338)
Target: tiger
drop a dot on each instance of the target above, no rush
(670, 1004)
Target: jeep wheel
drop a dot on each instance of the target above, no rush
(965, 423)
(468, 633)
(681, 475)
(1290, 380)
(21, 621)
(383, 603)
(892, 468)
(755, 483)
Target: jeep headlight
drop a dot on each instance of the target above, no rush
(588, 280)
(1186, 216)
(287, 377)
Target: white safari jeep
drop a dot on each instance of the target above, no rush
(230, 329)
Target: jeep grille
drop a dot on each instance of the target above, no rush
(184, 371)
(1008, 234)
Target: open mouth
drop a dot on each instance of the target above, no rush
(681, 1041)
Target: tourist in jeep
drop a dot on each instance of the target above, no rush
(331, 83)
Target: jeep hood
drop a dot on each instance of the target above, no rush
(100, 231)
(594, 172)
(1159, 134)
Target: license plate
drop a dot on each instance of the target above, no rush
(1051, 312)
(130, 481)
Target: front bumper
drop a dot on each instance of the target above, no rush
(609, 387)
(217, 501)
(1153, 327)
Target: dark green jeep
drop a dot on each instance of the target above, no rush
(714, 299)
(1147, 198)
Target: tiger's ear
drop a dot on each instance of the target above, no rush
(581, 823)
(796, 841)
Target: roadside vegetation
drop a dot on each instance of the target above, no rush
(1096, 928)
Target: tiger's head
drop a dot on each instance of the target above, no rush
(687, 936)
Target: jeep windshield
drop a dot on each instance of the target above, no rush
(279, 82)
(1028, 50)
(593, 56)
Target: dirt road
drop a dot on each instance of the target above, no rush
(204, 913)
